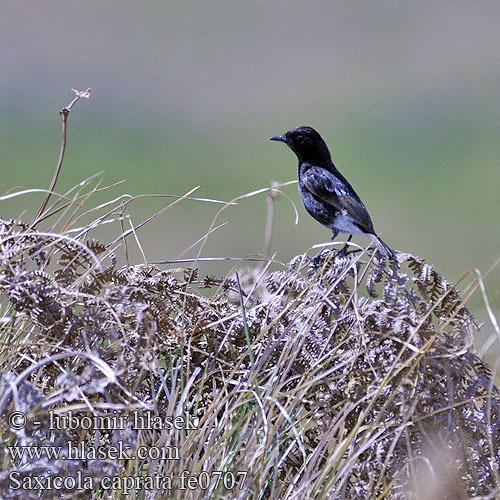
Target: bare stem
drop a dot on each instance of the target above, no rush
(271, 196)
(64, 113)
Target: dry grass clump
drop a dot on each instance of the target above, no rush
(353, 379)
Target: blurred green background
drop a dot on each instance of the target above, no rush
(185, 93)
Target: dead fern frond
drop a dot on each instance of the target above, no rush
(346, 375)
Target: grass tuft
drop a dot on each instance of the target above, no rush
(353, 379)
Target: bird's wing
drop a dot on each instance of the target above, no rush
(330, 189)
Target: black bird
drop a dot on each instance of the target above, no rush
(324, 191)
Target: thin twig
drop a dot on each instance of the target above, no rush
(271, 196)
(64, 113)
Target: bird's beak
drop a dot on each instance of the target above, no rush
(278, 138)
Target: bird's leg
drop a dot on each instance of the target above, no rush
(315, 259)
(343, 251)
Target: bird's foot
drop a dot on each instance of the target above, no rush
(321, 256)
(342, 252)
(316, 260)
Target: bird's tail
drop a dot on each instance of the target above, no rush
(384, 248)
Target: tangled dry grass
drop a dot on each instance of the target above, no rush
(351, 379)
(354, 379)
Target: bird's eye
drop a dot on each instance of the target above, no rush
(299, 137)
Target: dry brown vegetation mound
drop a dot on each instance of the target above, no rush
(353, 379)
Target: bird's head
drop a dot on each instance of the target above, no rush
(306, 143)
